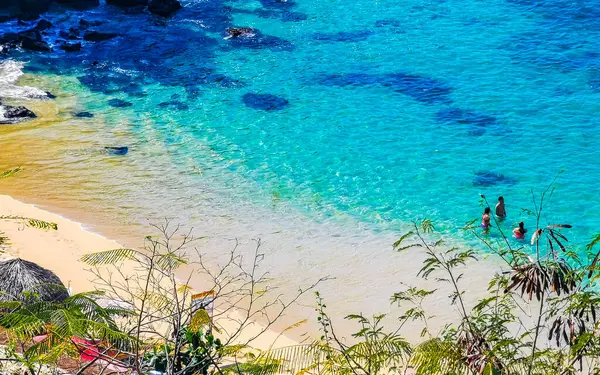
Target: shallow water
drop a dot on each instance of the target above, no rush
(382, 113)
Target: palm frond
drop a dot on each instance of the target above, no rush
(34, 223)
(109, 257)
(10, 172)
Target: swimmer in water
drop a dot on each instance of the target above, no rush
(519, 233)
(500, 209)
(486, 219)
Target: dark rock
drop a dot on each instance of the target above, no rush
(489, 178)
(127, 3)
(32, 35)
(71, 47)
(43, 25)
(237, 32)
(118, 103)
(50, 95)
(35, 45)
(9, 37)
(164, 7)
(117, 150)
(265, 102)
(83, 114)
(72, 34)
(97, 36)
(86, 23)
(423, 89)
(12, 115)
(343, 36)
(256, 40)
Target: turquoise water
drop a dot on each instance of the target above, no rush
(393, 108)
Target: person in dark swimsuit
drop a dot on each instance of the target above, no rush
(500, 209)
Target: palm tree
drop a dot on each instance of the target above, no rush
(30, 222)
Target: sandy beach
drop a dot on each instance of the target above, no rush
(60, 251)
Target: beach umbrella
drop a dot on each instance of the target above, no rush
(18, 276)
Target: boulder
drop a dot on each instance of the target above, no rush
(164, 7)
(71, 47)
(127, 3)
(86, 23)
(32, 35)
(237, 32)
(71, 34)
(43, 25)
(12, 115)
(97, 36)
(35, 45)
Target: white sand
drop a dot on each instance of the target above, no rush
(60, 251)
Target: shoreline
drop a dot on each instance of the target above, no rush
(63, 248)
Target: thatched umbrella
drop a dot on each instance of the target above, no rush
(18, 276)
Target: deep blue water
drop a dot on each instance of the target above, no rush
(382, 112)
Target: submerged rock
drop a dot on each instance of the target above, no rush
(343, 36)
(71, 47)
(97, 36)
(489, 178)
(35, 45)
(236, 32)
(86, 23)
(43, 25)
(13, 115)
(164, 7)
(118, 103)
(83, 114)
(117, 150)
(265, 102)
(71, 34)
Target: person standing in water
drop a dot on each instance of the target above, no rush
(519, 233)
(486, 219)
(500, 209)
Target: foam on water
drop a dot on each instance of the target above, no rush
(10, 72)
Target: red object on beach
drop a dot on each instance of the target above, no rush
(90, 351)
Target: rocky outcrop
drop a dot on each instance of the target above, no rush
(13, 115)
(32, 40)
(97, 36)
(127, 3)
(164, 7)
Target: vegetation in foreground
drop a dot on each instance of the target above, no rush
(541, 318)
